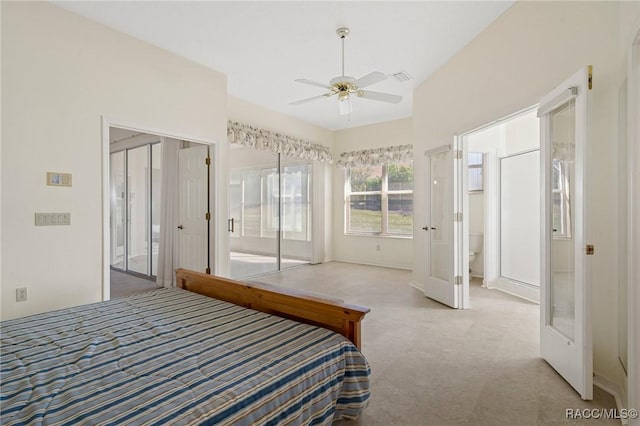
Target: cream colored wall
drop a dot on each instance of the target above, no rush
(255, 115)
(392, 252)
(521, 134)
(60, 74)
(526, 52)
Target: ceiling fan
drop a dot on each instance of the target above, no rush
(345, 87)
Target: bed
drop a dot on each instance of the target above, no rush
(211, 352)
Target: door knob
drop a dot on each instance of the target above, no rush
(426, 228)
(180, 227)
(433, 228)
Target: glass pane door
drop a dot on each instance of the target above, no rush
(295, 195)
(254, 198)
(138, 187)
(156, 182)
(562, 126)
(117, 196)
(439, 227)
(565, 306)
(270, 212)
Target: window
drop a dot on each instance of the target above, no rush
(379, 199)
(475, 171)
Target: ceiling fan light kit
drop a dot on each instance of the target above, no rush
(344, 86)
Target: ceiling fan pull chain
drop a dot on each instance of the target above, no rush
(343, 56)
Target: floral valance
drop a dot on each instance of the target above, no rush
(376, 156)
(253, 137)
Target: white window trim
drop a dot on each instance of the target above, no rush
(384, 206)
(477, 166)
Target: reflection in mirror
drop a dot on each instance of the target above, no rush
(623, 231)
(563, 247)
(118, 204)
(561, 194)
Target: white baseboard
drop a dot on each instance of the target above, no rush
(515, 288)
(615, 389)
(417, 285)
(382, 265)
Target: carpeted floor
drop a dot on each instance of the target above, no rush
(432, 365)
(125, 284)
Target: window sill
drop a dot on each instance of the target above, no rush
(365, 234)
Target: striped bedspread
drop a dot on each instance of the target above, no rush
(175, 357)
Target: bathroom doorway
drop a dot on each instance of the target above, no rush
(503, 205)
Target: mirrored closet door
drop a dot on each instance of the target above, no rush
(135, 175)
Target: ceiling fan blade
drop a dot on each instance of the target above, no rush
(377, 96)
(312, 83)
(304, 101)
(369, 79)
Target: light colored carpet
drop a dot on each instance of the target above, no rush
(244, 265)
(123, 285)
(432, 365)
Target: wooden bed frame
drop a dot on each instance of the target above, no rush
(292, 304)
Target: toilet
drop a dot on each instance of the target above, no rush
(475, 246)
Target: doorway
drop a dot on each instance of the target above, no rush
(159, 191)
(503, 205)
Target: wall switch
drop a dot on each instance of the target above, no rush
(58, 179)
(377, 247)
(52, 219)
(21, 294)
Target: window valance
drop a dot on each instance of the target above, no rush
(376, 156)
(256, 138)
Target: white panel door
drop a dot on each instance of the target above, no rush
(445, 274)
(193, 240)
(565, 308)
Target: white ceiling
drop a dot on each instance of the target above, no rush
(264, 46)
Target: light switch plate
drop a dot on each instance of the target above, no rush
(58, 179)
(52, 219)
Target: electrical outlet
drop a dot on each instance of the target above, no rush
(377, 247)
(21, 294)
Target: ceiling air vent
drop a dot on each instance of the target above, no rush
(402, 76)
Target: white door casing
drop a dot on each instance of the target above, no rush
(565, 299)
(445, 246)
(192, 239)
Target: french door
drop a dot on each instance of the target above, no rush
(565, 308)
(447, 255)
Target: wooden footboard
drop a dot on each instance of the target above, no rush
(292, 304)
